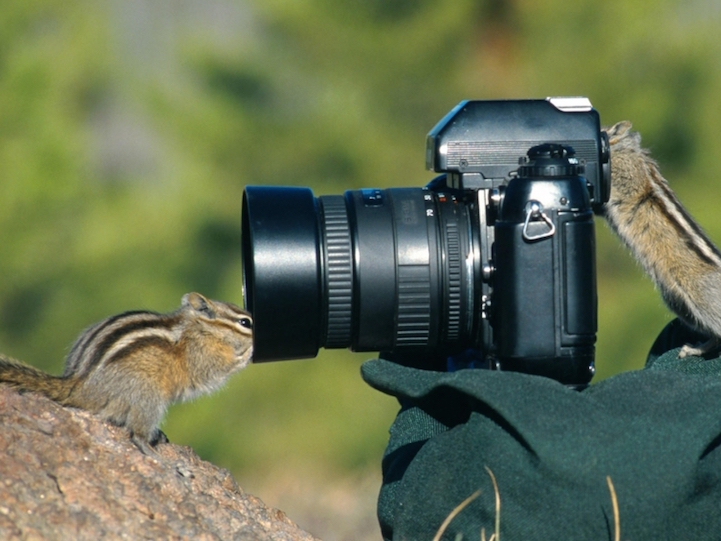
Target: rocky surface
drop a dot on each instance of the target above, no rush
(66, 474)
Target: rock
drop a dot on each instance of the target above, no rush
(67, 474)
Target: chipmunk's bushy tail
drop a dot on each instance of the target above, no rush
(27, 378)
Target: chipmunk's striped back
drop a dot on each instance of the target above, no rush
(128, 368)
(675, 252)
(109, 365)
(120, 335)
(638, 190)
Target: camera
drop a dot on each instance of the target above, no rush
(495, 256)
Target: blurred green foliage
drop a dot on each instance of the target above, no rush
(128, 130)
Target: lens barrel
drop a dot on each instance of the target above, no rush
(370, 270)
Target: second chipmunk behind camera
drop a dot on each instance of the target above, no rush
(130, 367)
(683, 263)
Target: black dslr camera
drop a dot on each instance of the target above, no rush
(496, 255)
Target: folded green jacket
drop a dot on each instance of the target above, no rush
(654, 433)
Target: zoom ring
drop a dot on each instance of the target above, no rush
(339, 271)
(414, 305)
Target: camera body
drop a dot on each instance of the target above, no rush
(496, 255)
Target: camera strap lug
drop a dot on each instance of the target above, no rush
(534, 211)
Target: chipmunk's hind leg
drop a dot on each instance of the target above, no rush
(143, 422)
(158, 437)
(142, 444)
(700, 350)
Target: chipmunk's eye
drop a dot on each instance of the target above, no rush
(245, 322)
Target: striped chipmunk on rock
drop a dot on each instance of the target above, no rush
(680, 259)
(130, 367)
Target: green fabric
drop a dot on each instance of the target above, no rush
(655, 432)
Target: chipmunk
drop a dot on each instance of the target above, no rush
(130, 367)
(683, 263)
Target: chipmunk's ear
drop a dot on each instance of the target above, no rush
(619, 130)
(198, 303)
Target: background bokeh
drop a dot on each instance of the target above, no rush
(128, 129)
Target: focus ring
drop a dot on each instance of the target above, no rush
(339, 271)
(453, 293)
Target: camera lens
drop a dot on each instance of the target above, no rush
(370, 270)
